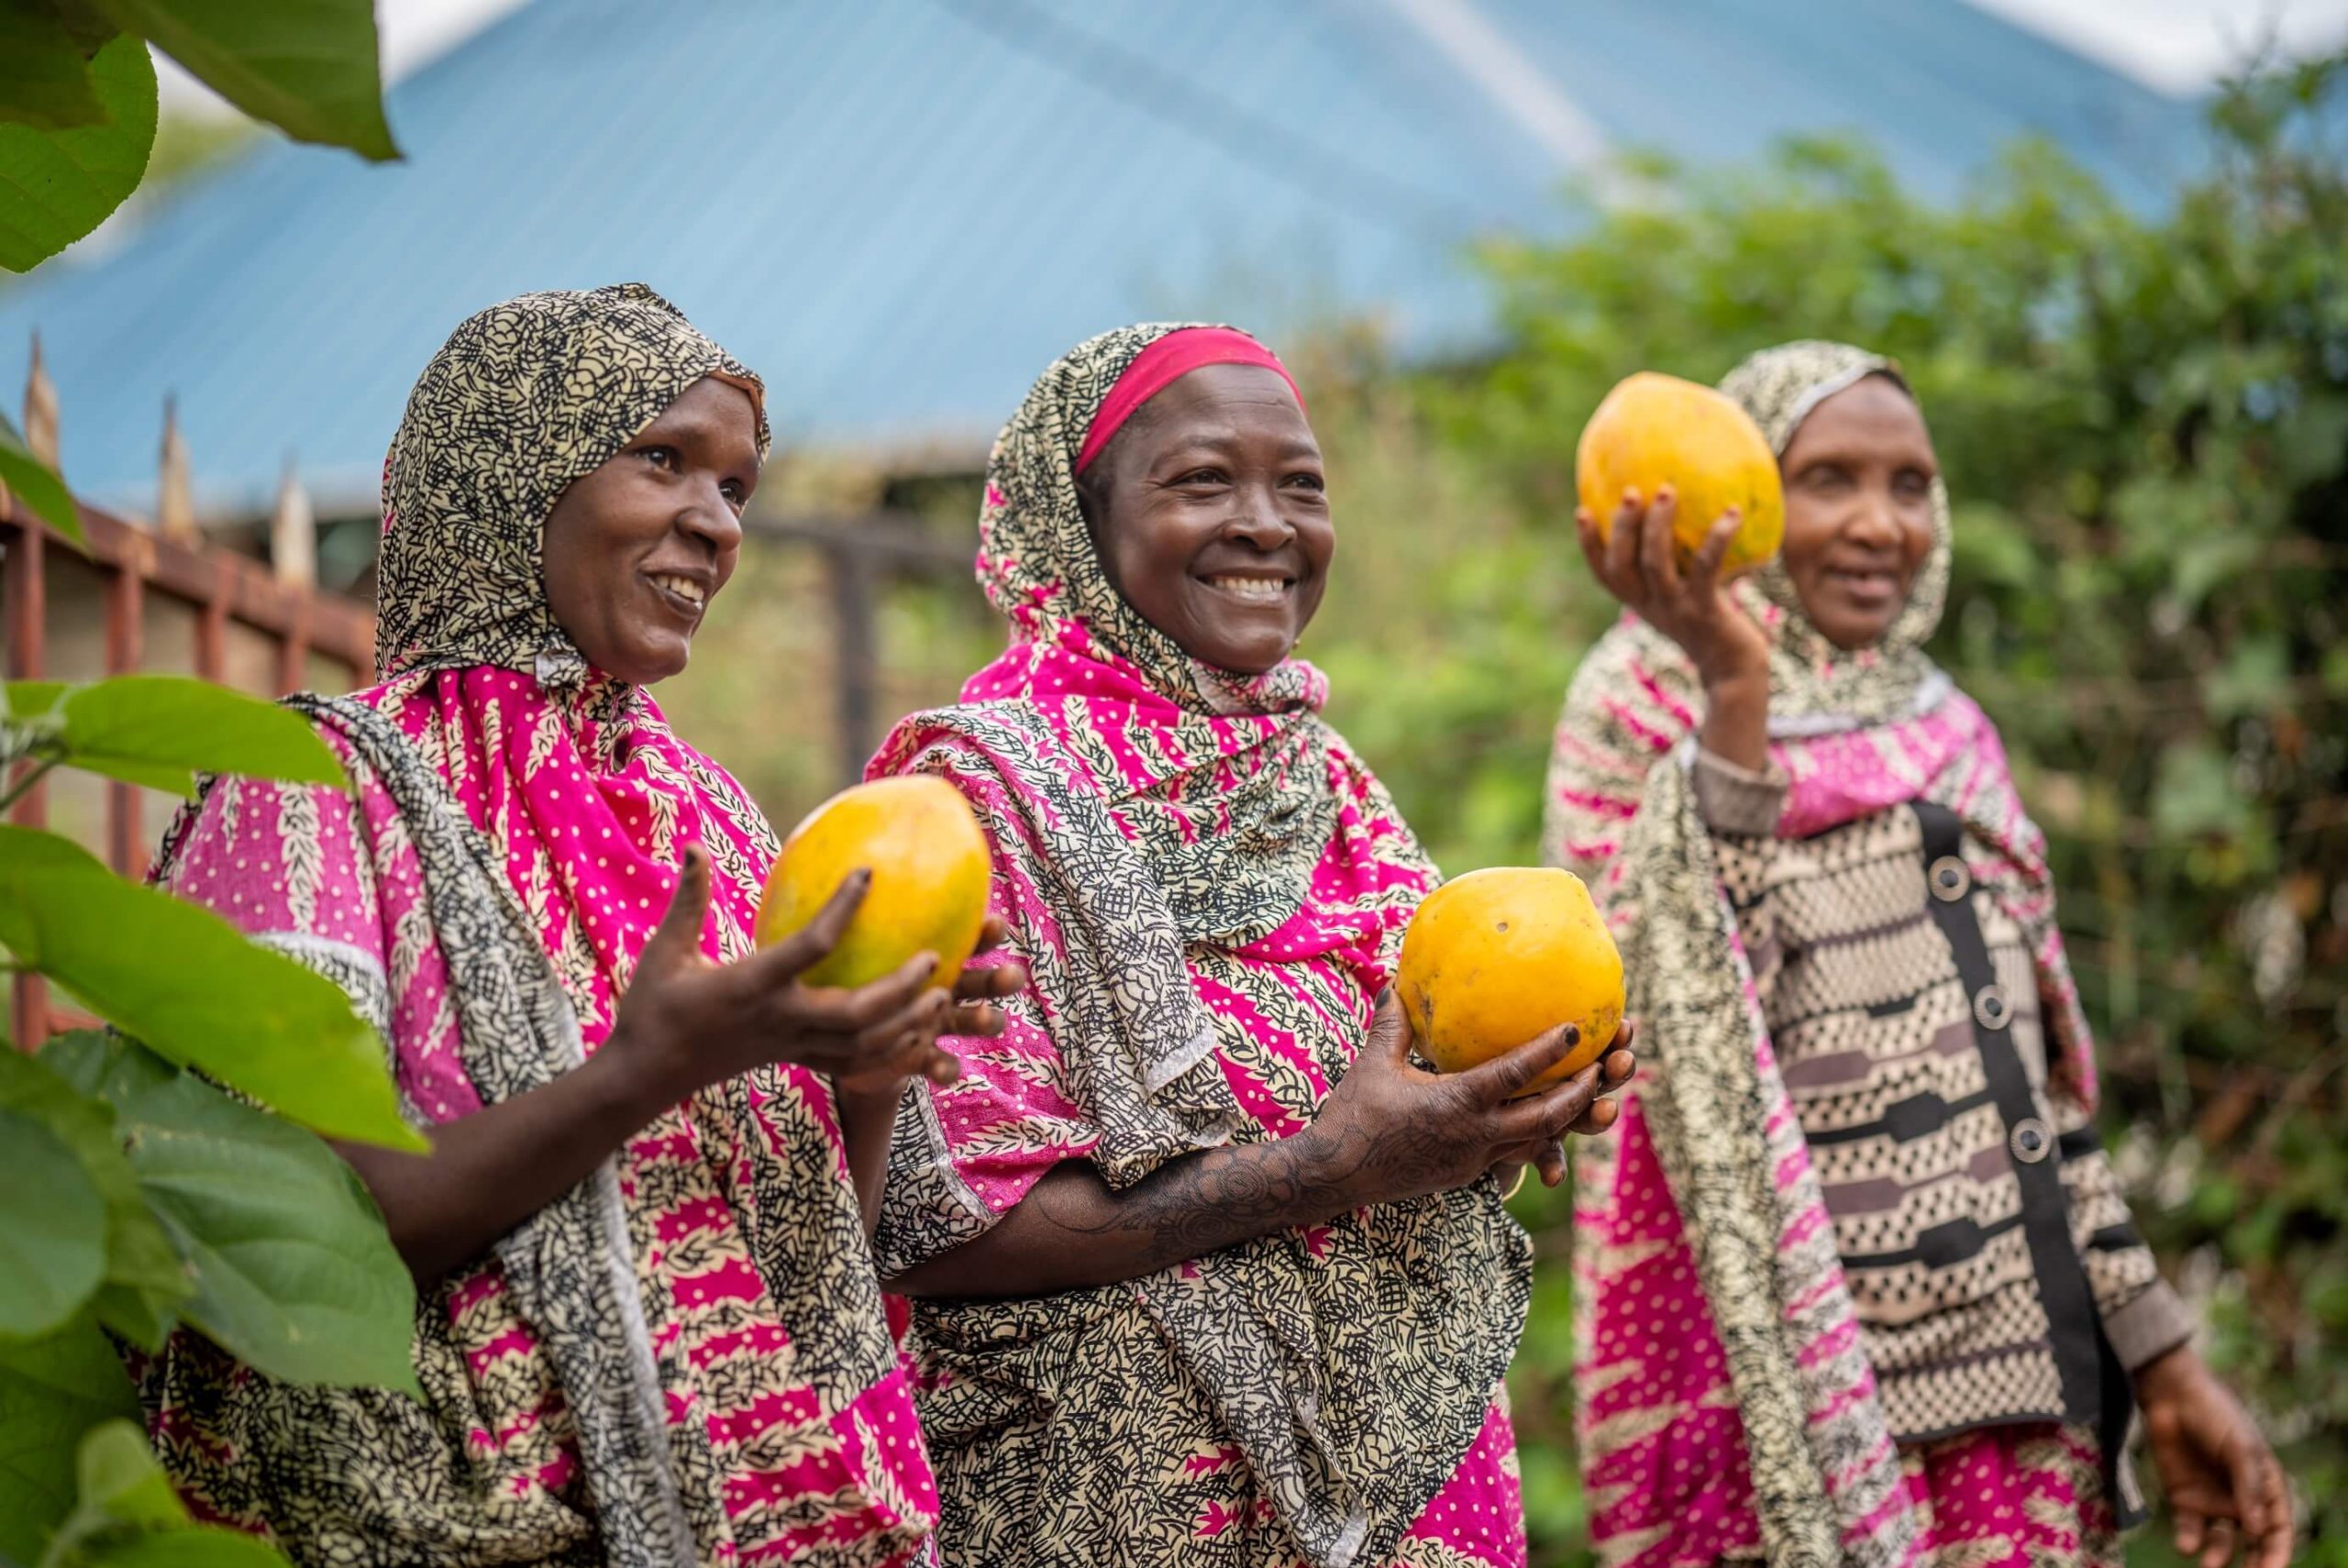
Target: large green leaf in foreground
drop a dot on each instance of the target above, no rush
(189, 983)
(294, 1272)
(58, 185)
(51, 1390)
(52, 1228)
(309, 67)
(159, 730)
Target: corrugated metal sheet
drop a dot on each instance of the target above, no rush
(900, 210)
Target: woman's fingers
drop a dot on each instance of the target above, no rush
(980, 1020)
(1621, 572)
(1390, 1032)
(2220, 1550)
(982, 984)
(678, 936)
(1704, 572)
(804, 947)
(1599, 1117)
(1498, 1079)
(1659, 545)
(1552, 1163)
(2275, 1545)
(2189, 1533)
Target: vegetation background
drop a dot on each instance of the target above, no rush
(2145, 423)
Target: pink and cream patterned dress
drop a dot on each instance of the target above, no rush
(1209, 887)
(686, 1359)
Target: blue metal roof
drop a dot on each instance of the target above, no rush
(900, 210)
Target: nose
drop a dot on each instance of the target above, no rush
(710, 517)
(1876, 520)
(1256, 519)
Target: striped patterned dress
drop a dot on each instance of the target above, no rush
(1966, 1196)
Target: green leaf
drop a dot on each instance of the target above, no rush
(51, 1391)
(145, 1278)
(32, 481)
(120, 1482)
(155, 729)
(61, 185)
(197, 1547)
(294, 1274)
(307, 66)
(44, 71)
(52, 1228)
(193, 987)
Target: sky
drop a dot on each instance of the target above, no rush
(2179, 46)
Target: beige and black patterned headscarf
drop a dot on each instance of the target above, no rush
(525, 398)
(1813, 683)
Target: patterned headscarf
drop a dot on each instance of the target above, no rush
(1705, 1204)
(1141, 802)
(524, 398)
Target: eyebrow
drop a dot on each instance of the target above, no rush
(1226, 439)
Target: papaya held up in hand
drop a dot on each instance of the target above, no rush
(1654, 430)
(1495, 957)
(929, 866)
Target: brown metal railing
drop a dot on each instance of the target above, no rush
(224, 588)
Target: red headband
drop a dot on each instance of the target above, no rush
(1163, 362)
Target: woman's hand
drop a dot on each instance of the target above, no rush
(971, 1011)
(685, 1022)
(1638, 562)
(2223, 1486)
(1394, 1131)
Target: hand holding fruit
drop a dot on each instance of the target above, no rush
(686, 1022)
(1680, 493)
(1392, 1130)
(1634, 555)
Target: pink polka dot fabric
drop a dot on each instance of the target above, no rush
(588, 800)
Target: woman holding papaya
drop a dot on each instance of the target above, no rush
(1206, 1271)
(1857, 1283)
(647, 1331)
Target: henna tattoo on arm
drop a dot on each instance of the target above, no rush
(1073, 1231)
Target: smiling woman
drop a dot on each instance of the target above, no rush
(1206, 1271)
(648, 1332)
(1857, 1282)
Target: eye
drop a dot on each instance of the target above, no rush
(1201, 479)
(659, 456)
(1305, 479)
(1913, 484)
(737, 493)
(1825, 479)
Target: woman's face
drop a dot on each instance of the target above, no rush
(1210, 511)
(1859, 476)
(635, 550)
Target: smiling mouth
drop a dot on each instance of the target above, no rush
(1871, 585)
(1247, 589)
(688, 596)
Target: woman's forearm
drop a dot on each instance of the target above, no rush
(1072, 1230)
(865, 1123)
(491, 1170)
(1737, 719)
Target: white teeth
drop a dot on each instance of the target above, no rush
(683, 588)
(1259, 589)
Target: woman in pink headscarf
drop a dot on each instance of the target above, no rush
(648, 1330)
(1208, 1274)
